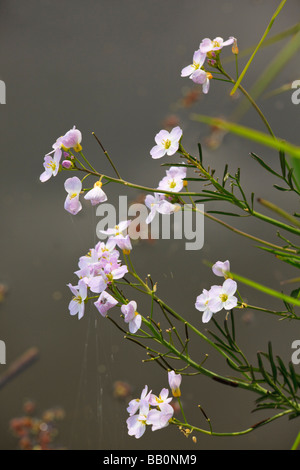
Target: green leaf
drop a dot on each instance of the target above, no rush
(250, 134)
(266, 290)
(296, 166)
(285, 374)
(282, 162)
(195, 179)
(295, 377)
(296, 293)
(224, 213)
(200, 153)
(187, 165)
(263, 164)
(258, 46)
(263, 371)
(280, 188)
(272, 363)
(268, 42)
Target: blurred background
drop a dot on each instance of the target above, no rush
(113, 67)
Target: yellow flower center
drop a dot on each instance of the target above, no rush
(73, 195)
(78, 299)
(98, 183)
(167, 143)
(52, 165)
(195, 65)
(173, 184)
(223, 297)
(216, 44)
(143, 420)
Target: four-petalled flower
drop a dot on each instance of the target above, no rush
(166, 142)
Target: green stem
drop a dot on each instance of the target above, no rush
(107, 156)
(236, 383)
(238, 83)
(86, 161)
(256, 107)
(296, 443)
(279, 211)
(181, 408)
(231, 434)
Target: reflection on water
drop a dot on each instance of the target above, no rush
(114, 68)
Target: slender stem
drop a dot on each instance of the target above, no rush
(236, 66)
(278, 10)
(107, 156)
(266, 310)
(231, 434)
(87, 162)
(181, 408)
(296, 443)
(279, 211)
(187, 359)
(256, 214)
(242, 89)
(240, 232)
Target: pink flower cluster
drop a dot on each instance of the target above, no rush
(218, 297)
(72, 139)
(73, 186)
(152, 410)
(159, 202)
(149, 410)
(97, 270)
(195, 70)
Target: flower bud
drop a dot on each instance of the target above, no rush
(67, 164)
(235, 49)
(174, 382)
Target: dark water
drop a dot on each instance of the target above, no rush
(113, 67)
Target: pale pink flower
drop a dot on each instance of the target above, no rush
(166, 142)
(136, 424)
(96, 195)
(163, 397)
(158, 203)
(76, 306)
(223, 296)
(71, 139)
(173, 181)
(207, 45)
(51, 165)
(160, 418)
(118, 237)
(131, 316)
(73, 187)
(202, 304)
(202, 78)
(174, 382)
(134, 404)
(221, 268)
(198, 61)
(105, 303)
